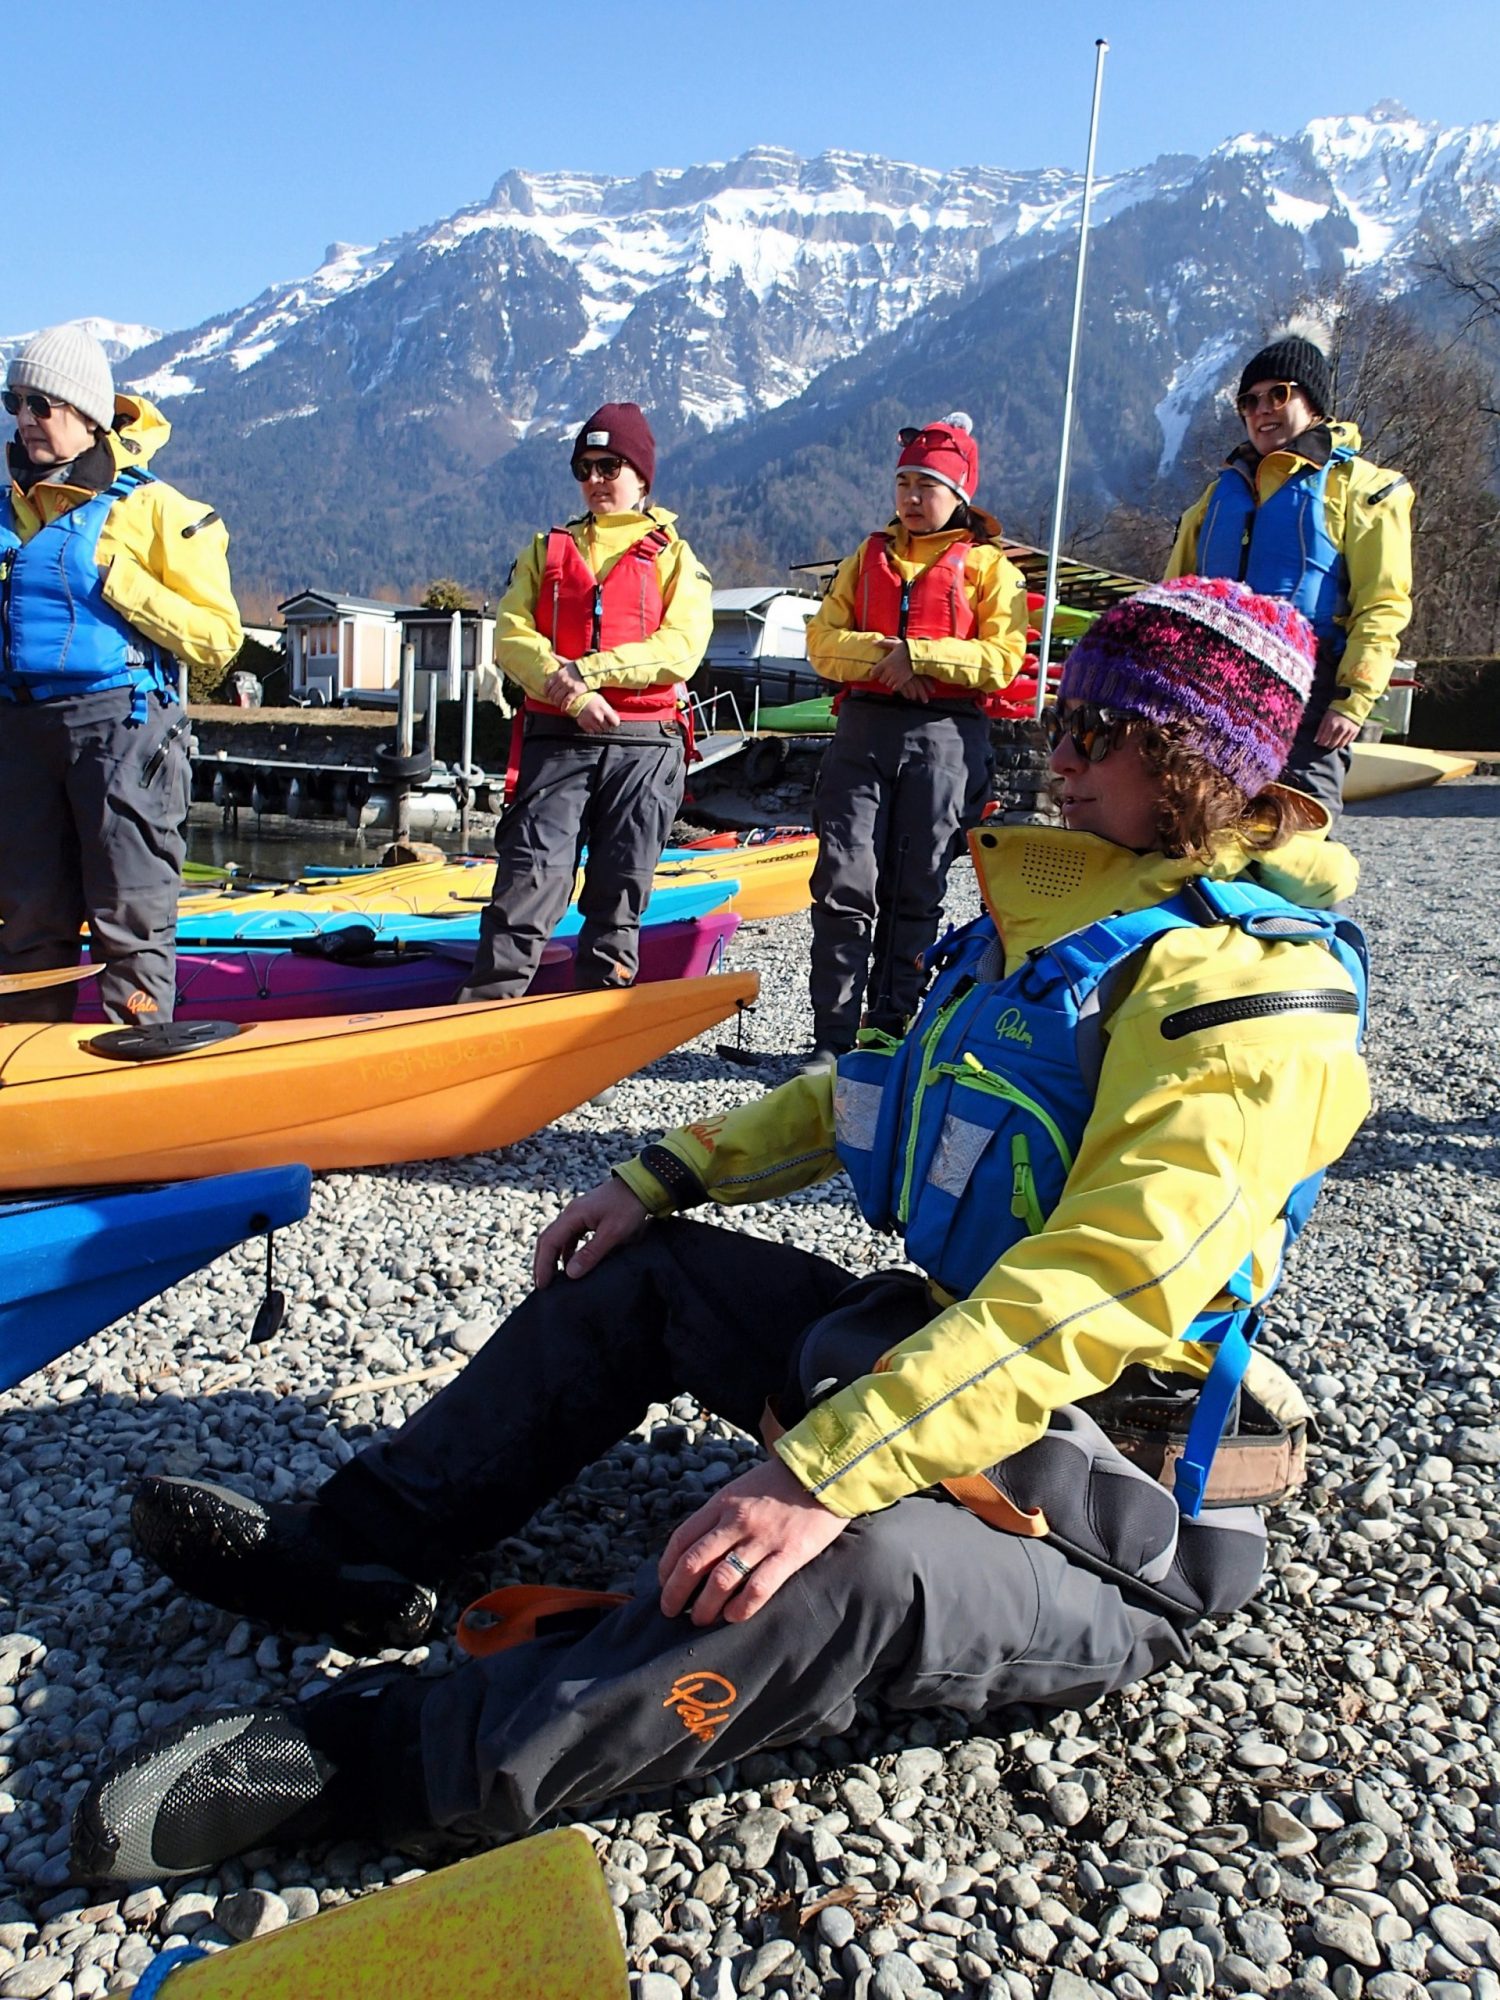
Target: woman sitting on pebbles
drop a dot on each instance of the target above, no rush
(1097, 1138)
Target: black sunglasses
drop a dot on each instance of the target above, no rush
(33, 400)
(1093, 731)
(585, 469)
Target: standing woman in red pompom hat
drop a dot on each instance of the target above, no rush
(602, 623)
(922, 623)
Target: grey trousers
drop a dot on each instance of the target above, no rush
(1319, 772)
(615, 795)
(921, 1605)
(86, 834)
(898, 785)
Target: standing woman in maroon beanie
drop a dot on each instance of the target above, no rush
(923, 622)
(602, 622)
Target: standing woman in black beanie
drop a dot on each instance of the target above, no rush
(1297, 513)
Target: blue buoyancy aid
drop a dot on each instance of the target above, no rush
(1280, 547)
(60, 636)
(962, 1135)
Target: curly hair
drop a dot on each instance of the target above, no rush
(1198, 805)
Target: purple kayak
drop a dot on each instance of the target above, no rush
(263, 983)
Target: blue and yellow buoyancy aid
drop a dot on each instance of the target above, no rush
(60, 637)
(1280, 547)
(962, 1134)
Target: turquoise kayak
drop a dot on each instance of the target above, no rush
(73, 1263)
(675, 903)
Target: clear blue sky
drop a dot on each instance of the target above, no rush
(212, 149)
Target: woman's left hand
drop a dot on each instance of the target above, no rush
(1336, 732)
(768, 1521)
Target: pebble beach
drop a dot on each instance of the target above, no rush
(1310, 1808)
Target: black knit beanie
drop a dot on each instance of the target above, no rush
(1293, 359)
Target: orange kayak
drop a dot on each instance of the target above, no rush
(365, 1090)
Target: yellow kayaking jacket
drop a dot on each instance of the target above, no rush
(670, 655)
(171, 585)
(841, 652)
(1194, 1145)
(1368, 512)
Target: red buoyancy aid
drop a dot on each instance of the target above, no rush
(580, 613)
(933, 604)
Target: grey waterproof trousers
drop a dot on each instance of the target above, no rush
(898, 785)
(921, 1605)
(616, 795)
(92, 814)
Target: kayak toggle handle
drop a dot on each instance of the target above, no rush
(272, 1309)
(735, 1051)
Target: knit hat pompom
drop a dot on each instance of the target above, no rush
(946, 450)
(70, 365)
(621, 428)
(1293, 358)
(1228, 670)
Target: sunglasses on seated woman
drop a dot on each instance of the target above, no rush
(1093, 731)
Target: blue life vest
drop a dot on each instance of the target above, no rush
(60, 636)
(1282, 547)
(963, 1134)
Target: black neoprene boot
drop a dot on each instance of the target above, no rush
(346, 1764)
(293, 1566)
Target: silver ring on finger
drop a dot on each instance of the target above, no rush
(737, 1563)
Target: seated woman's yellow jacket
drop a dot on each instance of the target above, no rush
(1194, 1145)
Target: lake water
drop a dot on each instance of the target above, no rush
(274, 848)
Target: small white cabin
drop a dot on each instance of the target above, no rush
(759, 623)
(338, 646)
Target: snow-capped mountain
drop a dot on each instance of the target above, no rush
(397, 413)
(118, 340)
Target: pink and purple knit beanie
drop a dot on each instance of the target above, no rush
(1230, 670)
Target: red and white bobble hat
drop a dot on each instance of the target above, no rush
(947, 451)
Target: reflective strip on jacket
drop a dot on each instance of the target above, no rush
(1184, 1168)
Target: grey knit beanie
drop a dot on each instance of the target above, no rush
(66, 362)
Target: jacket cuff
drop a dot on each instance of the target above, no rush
(661, 1181)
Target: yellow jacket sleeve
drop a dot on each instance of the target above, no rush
(166, 567)
(840, 651)
(1183, 560)
(772, 1146)
(1377, 556)
(1191, 1152)
(673, 651)
(520, 649)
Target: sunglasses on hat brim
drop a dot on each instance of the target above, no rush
(1092, 730)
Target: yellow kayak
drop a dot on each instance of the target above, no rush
(363, 1090)
(773, 882)
(1378, 769)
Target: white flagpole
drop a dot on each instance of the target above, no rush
(1044, 646)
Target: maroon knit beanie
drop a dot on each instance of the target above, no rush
(1229, 670)
(946, 451)
(621, 428)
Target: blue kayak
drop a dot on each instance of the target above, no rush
(675, 903)
(72, 1263)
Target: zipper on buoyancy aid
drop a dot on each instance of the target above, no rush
(1024, 1205)
(905, 608)
(7, 564)
(598, 629)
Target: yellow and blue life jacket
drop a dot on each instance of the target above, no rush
(962, 1134)
(58, 635)
(1280, 546)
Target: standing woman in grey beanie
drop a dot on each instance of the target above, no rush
(108, 577)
